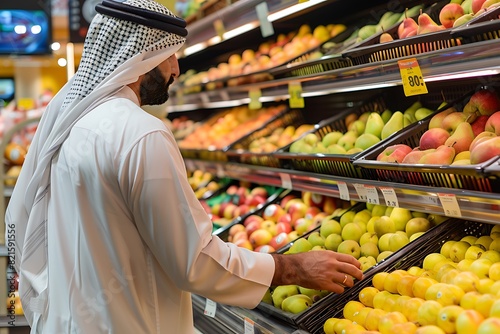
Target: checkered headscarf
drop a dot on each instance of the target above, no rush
(116, 52)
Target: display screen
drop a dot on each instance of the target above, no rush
(24, 31)
(6, 90)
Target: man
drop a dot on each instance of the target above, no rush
(109, 236)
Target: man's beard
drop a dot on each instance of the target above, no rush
(154, 88)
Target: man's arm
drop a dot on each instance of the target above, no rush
(322, 269)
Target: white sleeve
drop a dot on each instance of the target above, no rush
(178, 231)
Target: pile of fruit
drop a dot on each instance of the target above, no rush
(453, 291)
(458, 13)
(363, 131)
(225, 128)
(182, 126)
(369, 235)
(284, 221)
(453, 137)
(203, 183)
(279, 138)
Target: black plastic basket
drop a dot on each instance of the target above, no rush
(467, 177)
(478, 32)
(323, 64)
(412, 254)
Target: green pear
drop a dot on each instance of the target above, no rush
(395, 124)
(364, 116)
(367, 31)
(467, 6)
(358, 126)
(301, 245)
(422, 113)
(374, 124)
(463, 20)
(296, 304)
(314, 294)
(331, 138)
(348, 140)
(407, 121)
(365, 141)
(414, 107)
(413, 11)
(268, 298)
(416, 225)
(336, 149)
(328, 227)
(386, 115)
(316, 239)
(383, 225)
(280, 293)
(319, 148)
(400, 217)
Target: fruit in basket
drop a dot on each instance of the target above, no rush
(485, 135)
(492, 123)
(482, 102)
(437, 120)
(485, 150)
(280, 293)
(426, 24)
(443, 155)
(393, 125)
(374, 124)
(422, 113)
(407, 28)
(350, 247)
(296, 303)
(433, 138)
(385, 37)
(463, 20)
(461, 138)
(394, 153)
(479, 124)
(449, 14)
(365, 141)
(476, 5)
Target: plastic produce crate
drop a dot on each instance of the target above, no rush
(303, 68)
(369, 52)
(467, 177)
(479, 32)
(410, 255)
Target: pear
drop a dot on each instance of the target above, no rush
(422, 113)
(395, 124)
(388, 19)
(280, 293)
(414, 156)
(374, 124)
(348, 140)
(461, 138)
(427, 25)
(386, 115)
(365, 141)
(314, 294)
(268, 299)
(414, 107)
(296, 304)
(407, 121)
(443, 155)
(367, 31)
(463, 20)
(437, 120)
(385, 37)
(407, 28)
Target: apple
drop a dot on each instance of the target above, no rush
(482, 102)
(273, 212)
(229, 210)
(433, 138)
(302, 225)
(330, 205)
(493, 123)
(239, 235)
(452, 120)
(311, 212)
(476, 5)
(285, 200)
(333, 241)
(252, 227)
(283, 227)
(259, 191)
(270, 226)
(313, 199)
(447, 317)
(241, 210)
(252, 218)
(485, 150)
(255, 200)
(297, 210)
(350, 247)
(236, 228)
(232, 189)
(260, 237)
(489, 326)
(450, 13)
(369, 249)
(394, 153)
(330, 226)
(416, 225)
(479, 125)
(280, 240)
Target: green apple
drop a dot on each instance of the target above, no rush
(485, 241)
(481, 267)
(445, 249)
(352, 231)
(281, 292)
(346, 218)
(350, 247)
(366, 140)
(369, 249)
(348, 140)
(314, 294)
(368, 237)
(379, 210)
(457, 251)
(491, 255)
(397, 241)
(296, 304)
(300, 245)
(416, 235)
(333, 241)
(384, 225)
(316, 239)
(363, 216)
(383, 242)
(415, 225)
(382, 256)
(400, 217)
(474, 252)
(330, 226)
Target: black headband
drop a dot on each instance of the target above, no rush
(168, 23)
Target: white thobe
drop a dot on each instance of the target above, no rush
(127, 239)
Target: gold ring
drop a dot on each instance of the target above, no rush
(345, 279)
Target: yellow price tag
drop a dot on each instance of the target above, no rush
(219, 28)
(411, 75)
(295, 91)
(301, 1)
(26, 104)
(255, 95)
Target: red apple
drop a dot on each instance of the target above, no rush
(449, 13)
(239, 235)
(252, 227)
(483, 102)
(394, 153)
(285, 200)
(232, 189)
(229, 211)
(479, 124)
(273, 212)
(241, 210)
(256, 200)
(476, 5)
(292, 202)
(493, 123)
(252, 218)
(236, 228)
(313, 199)
(265, 249)
(286, 218)
(297, 210)
(312, 211)
(283, 227)
(433, 138)
(270, 226)
(280, 240)
(261, 191)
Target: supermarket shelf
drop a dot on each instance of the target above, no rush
(229, 319)
(473, 205)
(482, 60)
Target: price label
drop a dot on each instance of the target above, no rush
(204, 98)
(372, 195)
(390, 197)
(224, 95)
(25, 103)
(343, 191)
(411, 75)
(266, 28)
(190, 165)
(210, 308)
(249, 326)
(255, 95)
(219, 28)
(433, 200)
(295, 90)
(220, 172)
(361, 191)
(286, 181)
(450, 205)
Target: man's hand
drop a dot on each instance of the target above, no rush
(322, 270)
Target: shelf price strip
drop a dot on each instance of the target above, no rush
(411, 75)
(372, 195)
(390, 197)
(249, 326)
(361, 191)
(450, 205)
(210, 308)
(343, 191)
(296, 100)
(286, 181)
